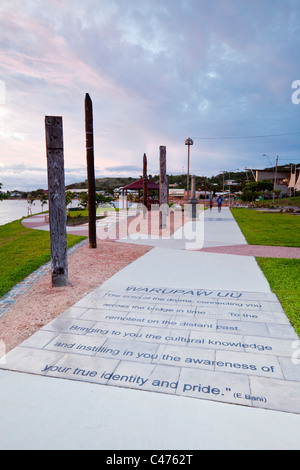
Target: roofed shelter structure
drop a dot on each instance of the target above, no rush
(148, 191)
(152, 191)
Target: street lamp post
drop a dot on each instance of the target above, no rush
(188, 142)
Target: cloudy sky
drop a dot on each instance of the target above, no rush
(158, 72)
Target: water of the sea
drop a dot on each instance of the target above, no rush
(14, 209)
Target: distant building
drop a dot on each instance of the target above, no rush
(294, 183)
(15, 195)
(287, 182)
(176, 194)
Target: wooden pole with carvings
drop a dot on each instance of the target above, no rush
(57, 200)
(89, 131)
(163, 188)
(145, 185)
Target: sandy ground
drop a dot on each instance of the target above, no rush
(88, 268)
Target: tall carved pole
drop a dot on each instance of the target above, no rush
(57, 200)
(193, 201)
(163, 187)
(145, 178)
(89, 131)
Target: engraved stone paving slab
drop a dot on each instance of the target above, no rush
(226, 346)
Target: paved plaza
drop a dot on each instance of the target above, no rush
(185, 348)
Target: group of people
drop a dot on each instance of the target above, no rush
(219, 202)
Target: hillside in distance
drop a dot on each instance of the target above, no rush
(103, 184)
(108, 184)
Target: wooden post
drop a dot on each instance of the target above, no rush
(145, 186)
(193, 201)
(57, 200)
(89, 131)
(163, 189)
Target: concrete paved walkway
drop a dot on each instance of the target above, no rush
(41, 222)
(202, 329)
(229, 240)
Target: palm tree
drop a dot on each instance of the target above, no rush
(44, 199)
(30, 200)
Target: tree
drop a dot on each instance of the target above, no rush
(30, 201)
(248, 195)
(44, 199)
(69, 197)
(252, 189)
(101, 199)
(83, 198)
(264, 185)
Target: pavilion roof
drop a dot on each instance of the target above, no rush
(139, 184)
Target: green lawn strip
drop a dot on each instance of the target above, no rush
(100, 212)
(283, 276)
(288, 201)
(79, 213)
(81, 217)
(261, 228)
(22, 251)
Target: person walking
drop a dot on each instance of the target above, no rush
(210, 202)
(220, 202)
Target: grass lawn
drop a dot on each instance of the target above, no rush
(22, 251)
(283, 275)
(288, 201)
(81, 217)
(262, 228)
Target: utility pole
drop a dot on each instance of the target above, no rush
(275, 181)
(188, 142)
(89, 132)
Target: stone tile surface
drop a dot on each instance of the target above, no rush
(227, 346)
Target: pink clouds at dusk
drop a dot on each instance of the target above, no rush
(158, 71)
